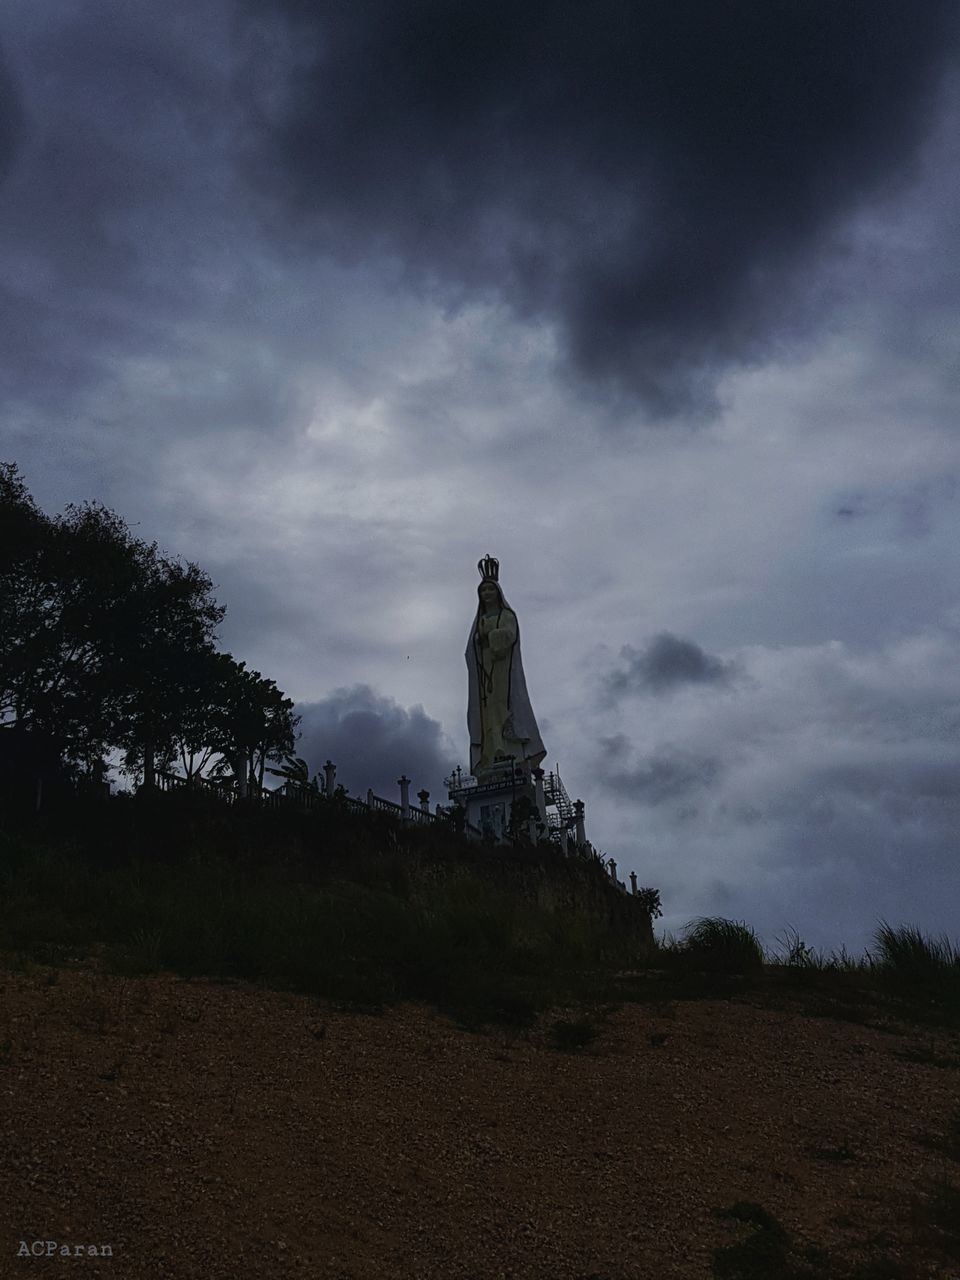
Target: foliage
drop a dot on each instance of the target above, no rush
(455, 818)
(649, 899)
(255, 724)
(105, 643)
(906, 955)
(725, 946)
(198, 887)
(795, 952)
(522, 811)
(94, 621)
(296, 772)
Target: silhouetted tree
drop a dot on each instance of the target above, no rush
(94, 624)
(296, 773)
(106, 643)
(256, 725)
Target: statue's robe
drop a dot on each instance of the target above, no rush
(499, 686)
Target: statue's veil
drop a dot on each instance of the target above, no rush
(521, 713)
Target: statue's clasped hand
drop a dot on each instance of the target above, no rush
(500, 642)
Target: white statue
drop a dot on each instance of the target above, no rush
(499, 715)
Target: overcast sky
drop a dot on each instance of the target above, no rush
(657, 303)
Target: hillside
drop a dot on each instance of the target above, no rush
(327, 902)
(238, 1042)
(225, 1130)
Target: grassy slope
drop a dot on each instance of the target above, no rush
(334, 905)
(349, 909)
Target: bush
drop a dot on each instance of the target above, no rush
(649, 899)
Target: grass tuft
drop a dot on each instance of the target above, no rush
(723, 946)
(795, 953)
(907, 955)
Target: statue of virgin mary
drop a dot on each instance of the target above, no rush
(499, 716)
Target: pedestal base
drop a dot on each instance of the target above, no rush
(489, 803)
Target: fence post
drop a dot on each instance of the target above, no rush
(403, 782)
(329, 779)
(369, 797)
(633, 882)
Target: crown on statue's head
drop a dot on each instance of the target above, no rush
(489, 568)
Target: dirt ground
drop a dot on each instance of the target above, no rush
(225, 1131)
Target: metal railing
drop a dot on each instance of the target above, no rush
(555, 794)
(304, 797)
(423, 816)
(378, 805)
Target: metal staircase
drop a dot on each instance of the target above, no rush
(555, 794)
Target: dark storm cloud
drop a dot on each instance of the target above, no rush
(666, 776)
(665, 664)
(372, 741)
(11, 118)
(108, 229)
(654, 178)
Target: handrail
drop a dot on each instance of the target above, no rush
(385, 806)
